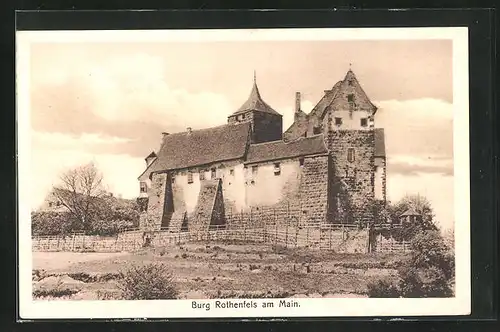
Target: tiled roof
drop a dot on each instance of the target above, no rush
(201, 147)
(379, 142)
(324, 102)
(255, 103)
(280, 150)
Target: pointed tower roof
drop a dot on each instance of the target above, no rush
(255, 102)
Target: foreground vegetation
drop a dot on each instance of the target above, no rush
(214, 270)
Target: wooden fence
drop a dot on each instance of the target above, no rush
(341, 238)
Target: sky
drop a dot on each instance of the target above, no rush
(110, 102)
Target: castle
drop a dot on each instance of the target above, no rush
(329, 166)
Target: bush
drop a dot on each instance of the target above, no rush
(427, 272)
(383, 288)
(148, 282)
(110, 227)
(50, 223)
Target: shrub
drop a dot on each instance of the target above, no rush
(50, 223)
(54, 292)
(382, 288)
(148, 282)
(427, 272)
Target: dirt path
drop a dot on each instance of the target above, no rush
(60, 260)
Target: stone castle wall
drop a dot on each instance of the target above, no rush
(358, 174)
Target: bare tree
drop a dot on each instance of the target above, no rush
(80, 191)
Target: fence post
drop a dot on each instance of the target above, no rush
(296, 235)
(307, 235)
(73, 246)
(330, 241)
(276, 234)
(245, 232)
(286, 234)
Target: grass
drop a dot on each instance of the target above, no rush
(234, 270)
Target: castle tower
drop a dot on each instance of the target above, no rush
(349, 127)
(266, 123)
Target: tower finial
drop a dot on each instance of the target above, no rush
(254, 77)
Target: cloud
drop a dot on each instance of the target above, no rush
(57, 140)
(413, 165)
(419, 127)
(129, 91)
(437, 188)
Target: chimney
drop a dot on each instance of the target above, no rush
(189, 130)
(297, 101)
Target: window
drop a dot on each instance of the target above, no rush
(255, 169)
(213, 173)
(144, 187)
(231, 172)
(338, 121)
(301, 161)
(350, 155)
(351, 83)
(350, 98)
(51, 204)
(277, 169)
(316, 130)
(364, 122)
(202, 174)
(190, 177)
(239, 117)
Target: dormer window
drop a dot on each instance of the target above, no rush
(350, 82)
(364, 122)
(350, 98)
(143, 187)
(338, 122)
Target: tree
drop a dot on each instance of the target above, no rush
(428, 271)
(419, 204)
(80, 191)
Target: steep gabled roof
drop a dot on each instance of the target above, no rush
(379, 142)
(320, 108)
(351, 84)
(201, 147)
(255, 103)
(280, 150)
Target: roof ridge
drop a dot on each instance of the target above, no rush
(268, 142)
(210, 128)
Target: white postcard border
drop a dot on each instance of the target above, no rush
(459, 305)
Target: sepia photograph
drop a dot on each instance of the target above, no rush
(227, 173)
